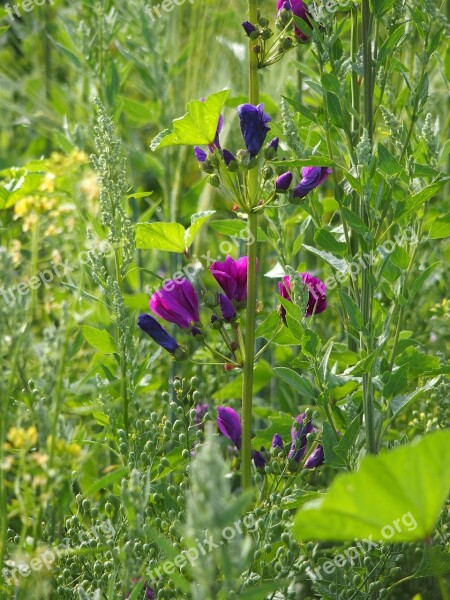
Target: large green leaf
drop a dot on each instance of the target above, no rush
(395, 497)
(99, 339)
(197, 222)
(169, 237)
(197, 126)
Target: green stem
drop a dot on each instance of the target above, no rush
(366, 288)
(249, 358)
(247, 381)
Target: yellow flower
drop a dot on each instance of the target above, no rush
(16, 436)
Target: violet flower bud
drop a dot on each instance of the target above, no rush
(316, 458)
(229, 424)
(158, 334)
(254, 127)
(283, 182)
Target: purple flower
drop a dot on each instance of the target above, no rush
(149, 594)
(231, 275)
(200, 154)
(283, 182)
(299, 439)
(253, 126)
(200, 412)
(300, 10)
(258, 459)
(317, 301)
(158, 334)
(312, 177)
(229, 424)
(177, 303)
(277, 442)
(228, 157)
(248, 27)
(226, 308)
(316, 458)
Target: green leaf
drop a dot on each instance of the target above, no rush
(354, 314)
(99, 339)
(418, 283)
(387, 162)
(334, 109)
(440, 228)
(262, 375)
(397, 382)
(381, 7)
(355, 222)
(337, 263)
(197, 222)
(394, 497)
(400, 402)
(235, 228)
(197, 126)
(416, 201)
(169, 237)
(326, 240)
(297, 381)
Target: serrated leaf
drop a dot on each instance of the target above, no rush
(198, 126)
(394, 497)
(168, 237)
(99, 339)
(197, 222)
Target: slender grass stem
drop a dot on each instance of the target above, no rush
(366, 287)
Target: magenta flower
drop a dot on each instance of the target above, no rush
(300, 10)
(177, 303)
(229, 424)
(253, 126)
(231, 275)
(312, 177)
(158, 334)
(316, 458)
(299, 434)
(317, 301)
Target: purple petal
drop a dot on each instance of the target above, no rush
(316, 458)
(151, 326)
(226, 308)
(283, 182)
(277, 441)
(229, 424)
(254, 127)
(200, 154)
(176, 303)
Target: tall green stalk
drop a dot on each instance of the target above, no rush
(366, 288)
(249, 358)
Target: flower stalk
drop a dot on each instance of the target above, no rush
(249, 345)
